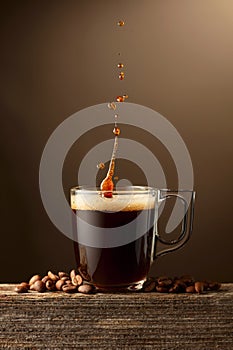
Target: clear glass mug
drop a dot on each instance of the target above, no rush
(116, 238)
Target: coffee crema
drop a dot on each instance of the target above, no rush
(116, 203)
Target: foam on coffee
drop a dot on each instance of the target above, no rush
(116, 203)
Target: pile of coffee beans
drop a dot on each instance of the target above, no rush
(68, 283)
(77, 282)
(183, 284)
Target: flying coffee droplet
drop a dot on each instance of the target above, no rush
(101, 166)
(116, 178)
(120, 98)
(112, 105)
(121, 23)
(116, 117)
(121, 75)
(116, 131)
(120, 65)
(125, 96)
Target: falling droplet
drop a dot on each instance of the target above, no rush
(121, 23)
(116, 117)
(116, 178)
(125, 96)
(116, 131)
(121, 75)
(101, 166)
(120, 65)
(120, 98)
(112, 105)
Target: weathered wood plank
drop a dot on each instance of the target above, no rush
(116, 321)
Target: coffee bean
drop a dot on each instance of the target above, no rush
(45, 279)
(174, 289)
(25, 284)
(181, 286)
(77, 280)
(38, 286)
(65, 278)
(85, 288)
(52, 276)
(34, 278)
(22, 288)
(164, 282)
(199, 287)
(83, 272)
(214, 285)
(190, 289)
(62, 274)
(69, 288)
(162, 278)
(72, 274)
(161, 289)
(187, 279)
(68, 282)
(59, 284)
(205, 285)
(50, 285)
(149, 285)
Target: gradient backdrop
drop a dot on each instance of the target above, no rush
(58, 57)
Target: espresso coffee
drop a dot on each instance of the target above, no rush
(122, 265)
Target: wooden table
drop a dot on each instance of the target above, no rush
(116, 321)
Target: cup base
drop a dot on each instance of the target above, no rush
(134, 287)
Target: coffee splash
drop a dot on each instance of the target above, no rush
(107, 185)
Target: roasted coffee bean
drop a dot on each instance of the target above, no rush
(50, 285)
(65, 278)
(180, 285)
(161, 289)
(22, 287)
(45, 279)
(162, 278)
(199, 287)
(52, 276)
(175, 288)
(59, 284)
(25, 284)
(149, 285)
(62, 274)
(85, 288)
(164, 281)
(38, 286)
(190, 289)
(83, 272)
(69, 288)
(72, 274)
(187, 279)
(214, 285)
(77, 280)
(205, 285)
(68, 282)
(34, 278)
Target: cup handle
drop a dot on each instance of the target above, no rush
(187, 198)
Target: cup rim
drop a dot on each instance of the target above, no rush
(134, 189)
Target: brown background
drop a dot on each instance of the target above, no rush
(58, 57)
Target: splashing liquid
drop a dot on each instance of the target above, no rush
(107, 184)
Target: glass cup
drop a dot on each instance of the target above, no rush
(116, 238)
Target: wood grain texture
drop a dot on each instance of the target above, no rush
(116, 321)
